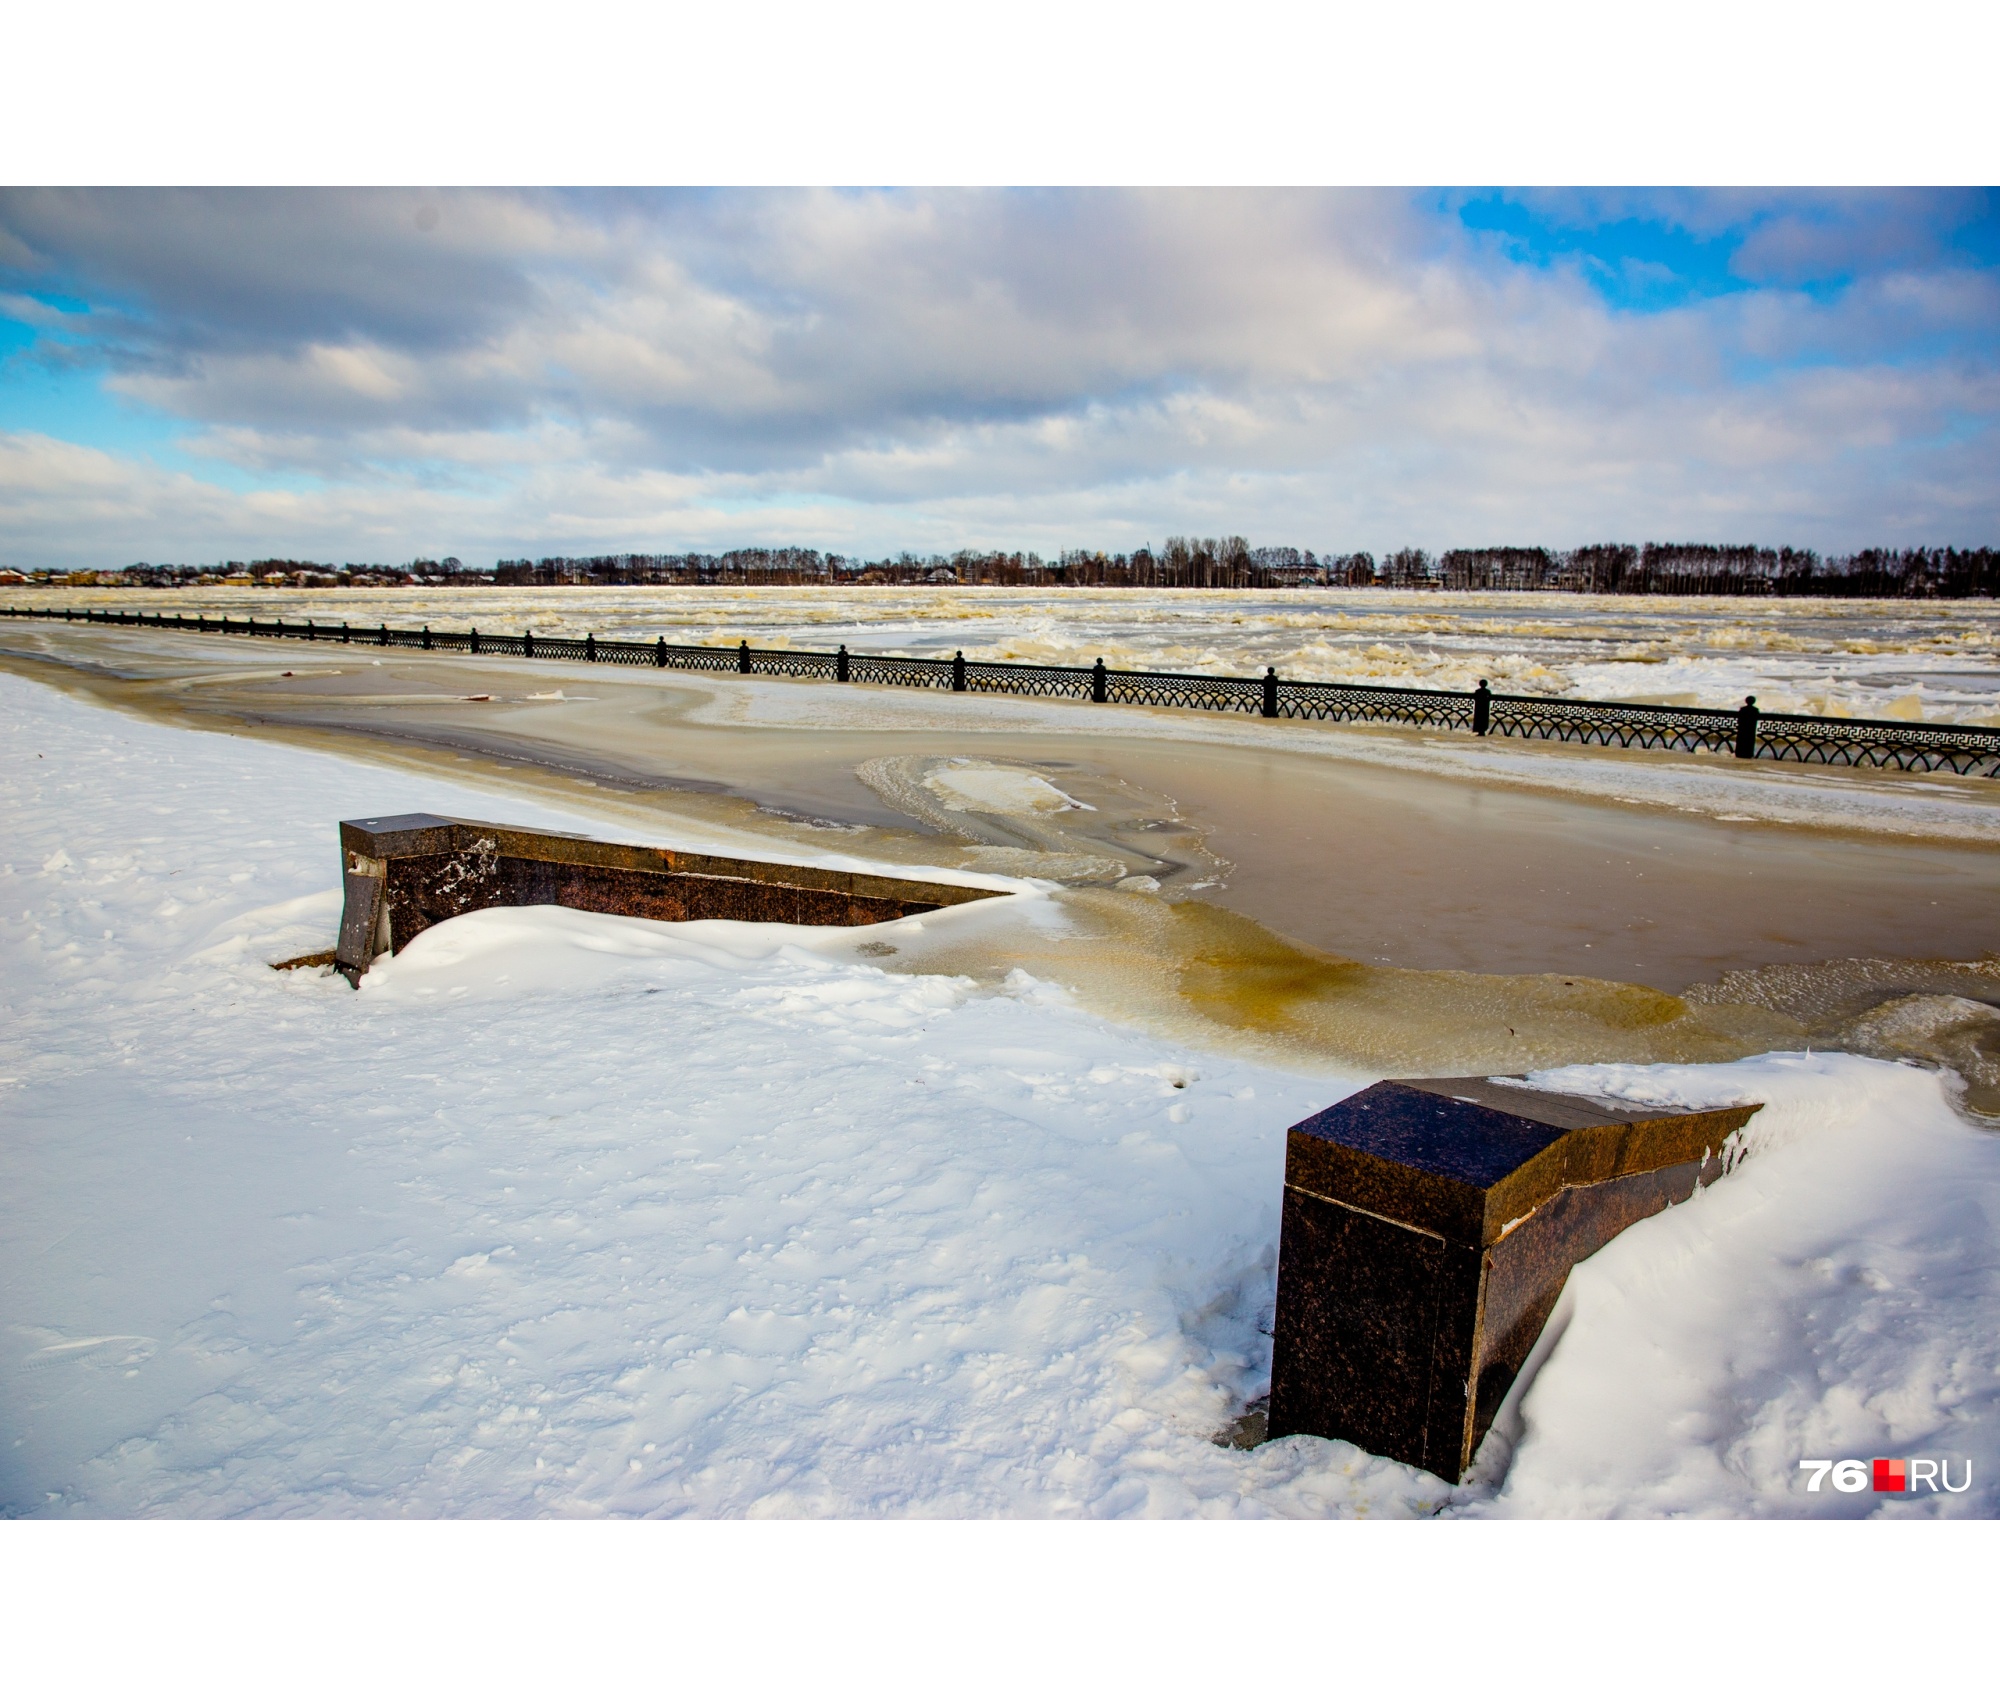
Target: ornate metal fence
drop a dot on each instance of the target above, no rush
(1607, 723)
(1339, 702)
(1748, 733)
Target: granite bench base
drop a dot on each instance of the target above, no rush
(1429, 1225)
(403, 875)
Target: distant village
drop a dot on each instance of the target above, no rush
(1180, 564)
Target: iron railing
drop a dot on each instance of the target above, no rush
(1748, 733)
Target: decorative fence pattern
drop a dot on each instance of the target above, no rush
(1966, 750)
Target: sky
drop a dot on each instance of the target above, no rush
(193, 376)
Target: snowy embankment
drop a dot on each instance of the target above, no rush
(578, 1215)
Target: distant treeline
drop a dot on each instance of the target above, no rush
(1230, 562)
(1922, 572)
(263, 571)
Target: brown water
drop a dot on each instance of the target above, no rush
(1244, 894)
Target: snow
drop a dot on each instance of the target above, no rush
(975, 786)
(575, 1215)
(1836, 1297)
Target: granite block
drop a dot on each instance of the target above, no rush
(1427, 1230)
(405, 874)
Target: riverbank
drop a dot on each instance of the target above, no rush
(1897, 658)
(1390, 900)
(576, 1216)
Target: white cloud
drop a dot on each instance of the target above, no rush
(534, 372)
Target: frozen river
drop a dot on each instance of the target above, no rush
(1936, 662)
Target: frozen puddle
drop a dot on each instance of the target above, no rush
(571, 1215)
(975, 787)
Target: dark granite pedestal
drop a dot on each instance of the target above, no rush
(1428, 1227)
(405, 874)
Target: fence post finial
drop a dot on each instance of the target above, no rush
(1746, 729)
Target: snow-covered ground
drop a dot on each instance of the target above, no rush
(576, 1215)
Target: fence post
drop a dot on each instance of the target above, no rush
(1482, 708)
(527, 643)
(1097, 682)
(1746, 729)
(743, 658)
(958, 672)
(840, 665)
(1271, 690)
(660, 653)
(590, 648)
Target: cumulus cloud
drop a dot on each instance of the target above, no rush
(537, 371)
